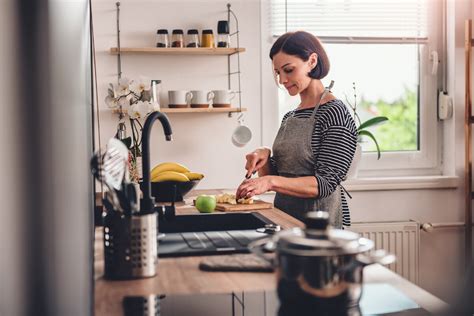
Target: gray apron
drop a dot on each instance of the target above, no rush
(294, 158)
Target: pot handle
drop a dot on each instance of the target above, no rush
(257, 246)
(378, 256)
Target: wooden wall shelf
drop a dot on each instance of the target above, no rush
(196, 110)
(176, 51)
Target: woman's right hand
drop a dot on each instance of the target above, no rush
(256, 160)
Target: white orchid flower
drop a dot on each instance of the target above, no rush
(123, 102)
(139, 110)
(123, 87)
(143, 84)
(111, 102)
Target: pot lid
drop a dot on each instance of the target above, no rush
(320, 239)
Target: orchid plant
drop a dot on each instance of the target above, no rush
(362, 127)
(134, 98)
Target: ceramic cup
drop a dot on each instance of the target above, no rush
(222, 98)
(201, 99)
(179, 98)
(241, 135)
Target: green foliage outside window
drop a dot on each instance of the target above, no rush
(400, 133)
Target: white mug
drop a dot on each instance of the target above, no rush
(222, 98)
(179, 98)
(201, 99)
(241, 135)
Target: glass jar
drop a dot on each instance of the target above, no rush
(223, 37)
(192, 38)
(208, 39)
(162, 38)
(177, 38)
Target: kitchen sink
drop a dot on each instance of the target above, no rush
(209, 234)
(213, 222)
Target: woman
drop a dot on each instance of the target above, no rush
(316, 142)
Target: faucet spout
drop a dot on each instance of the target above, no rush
(148, 201)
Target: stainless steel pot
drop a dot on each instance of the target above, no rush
(320, 261)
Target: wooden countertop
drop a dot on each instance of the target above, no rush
(182, 275)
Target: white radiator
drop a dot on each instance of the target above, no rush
(399, 238)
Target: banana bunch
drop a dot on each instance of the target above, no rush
(172, 171)
(230, 199)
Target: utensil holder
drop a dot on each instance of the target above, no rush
(130, 247)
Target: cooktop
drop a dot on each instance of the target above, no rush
(377, 299)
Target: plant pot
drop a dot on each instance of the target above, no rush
(354, 168)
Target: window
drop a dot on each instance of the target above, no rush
(384, 48)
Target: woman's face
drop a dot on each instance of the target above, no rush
(292, 71)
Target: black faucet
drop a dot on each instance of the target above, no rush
(148, 202)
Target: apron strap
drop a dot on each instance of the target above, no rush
(326, 91)
(346, 191)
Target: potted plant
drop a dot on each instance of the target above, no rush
(362, 131)
(136, 99)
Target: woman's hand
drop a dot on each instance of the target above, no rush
(251, 187)
(256, 160)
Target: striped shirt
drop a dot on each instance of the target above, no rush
(333, 145)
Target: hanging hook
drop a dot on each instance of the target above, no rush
(240, 118)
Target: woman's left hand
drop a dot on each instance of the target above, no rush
(250, 187)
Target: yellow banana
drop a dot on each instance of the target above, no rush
(170, 176)
(194, 175)
(167, 166)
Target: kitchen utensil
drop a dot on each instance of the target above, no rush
(222, 98)
(130, 247)
(256, 205)
(114, 163)
(320, 261)
(111, 200)
(179, 98)
(242, 134)
(164, 191)
(201, 99)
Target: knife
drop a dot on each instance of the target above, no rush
(248, 177)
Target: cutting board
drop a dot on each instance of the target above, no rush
(256, 205)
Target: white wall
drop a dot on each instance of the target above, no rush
(202, 142)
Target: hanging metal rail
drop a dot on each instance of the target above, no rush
(229, 73)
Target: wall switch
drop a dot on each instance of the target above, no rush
(445, 106)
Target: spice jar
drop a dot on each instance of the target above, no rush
(162, 38)
(192, 38)
(223, 37)
(177, 39)
(208, 39)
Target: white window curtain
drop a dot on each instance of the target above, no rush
(353, 20)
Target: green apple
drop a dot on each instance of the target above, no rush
(206, 203)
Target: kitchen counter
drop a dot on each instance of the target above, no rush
(182, 275)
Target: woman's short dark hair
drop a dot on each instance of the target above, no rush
(303, 44)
